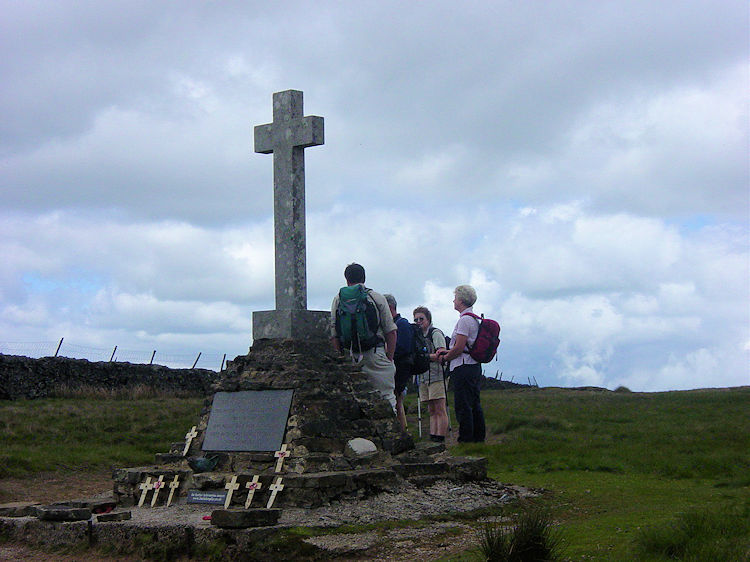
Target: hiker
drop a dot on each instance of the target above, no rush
(432, 384)
(465, 370)
(402, 358)
(376, 351)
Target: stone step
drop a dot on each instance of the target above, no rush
(243, 519)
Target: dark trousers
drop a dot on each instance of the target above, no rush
(466, 383)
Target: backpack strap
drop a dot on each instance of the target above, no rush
(479, 319)
(431, 331)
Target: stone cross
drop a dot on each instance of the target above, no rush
(189, 436)
(281, 455)
(231, 486)
(173, 485)
(146, 486)
(275, 488)
(252, 486)
(158, 485)
(287, 137)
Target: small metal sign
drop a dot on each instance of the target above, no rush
(202, 496)
(250, 420)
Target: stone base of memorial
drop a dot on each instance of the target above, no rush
(300, 325)
(323, 410)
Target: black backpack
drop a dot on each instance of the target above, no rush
(356, 319)
(420, 351)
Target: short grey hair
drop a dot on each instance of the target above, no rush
(466, 294)
(391, 300)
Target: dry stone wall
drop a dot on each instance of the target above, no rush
(26, 378)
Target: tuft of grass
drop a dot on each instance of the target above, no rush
(532, 538)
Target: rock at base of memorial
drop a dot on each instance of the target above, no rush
(168, 458)
(429, 447)
(242, 519)
(114, 516)
(360, 448)
(18, 509)
(59, 513)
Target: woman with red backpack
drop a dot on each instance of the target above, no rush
(465, 370)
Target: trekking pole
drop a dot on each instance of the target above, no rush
(447, 405)
(419, 407)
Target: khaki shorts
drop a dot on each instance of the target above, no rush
(433, 391)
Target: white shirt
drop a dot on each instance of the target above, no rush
(466, 326)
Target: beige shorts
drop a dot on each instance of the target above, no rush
(432, 391)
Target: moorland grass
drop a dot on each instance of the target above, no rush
(625, 473)
(617, 463)
(89, 434)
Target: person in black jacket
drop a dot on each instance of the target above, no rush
(402, 358)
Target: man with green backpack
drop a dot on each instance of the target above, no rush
(361, 323)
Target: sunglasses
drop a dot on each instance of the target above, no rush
(420, 319)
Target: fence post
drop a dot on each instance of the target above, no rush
(59, 345)
(113, 354)
(196, 360)
(222, 363)
(152, 358)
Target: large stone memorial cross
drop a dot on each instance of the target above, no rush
(287, 137)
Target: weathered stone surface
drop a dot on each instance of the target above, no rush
(429, 447)
(359, 448)
(421, 469)
(26, 378)
(18, 509)
(114, 516)
(61, 513)
(467, 469)
(167, 458)
(287, 137)
(242, 519)
(307, 325)
(209, 480)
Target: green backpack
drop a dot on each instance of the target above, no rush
(356, 319)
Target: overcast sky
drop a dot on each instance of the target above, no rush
(584, 165)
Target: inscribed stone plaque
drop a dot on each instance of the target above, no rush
(211, 498)
(251, 420)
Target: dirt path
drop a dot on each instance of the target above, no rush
(55, 487)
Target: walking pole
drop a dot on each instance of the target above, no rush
(419, 407)
(447, 404)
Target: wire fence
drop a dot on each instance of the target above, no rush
(61, 348)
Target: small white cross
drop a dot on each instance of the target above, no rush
(231, 486)
(173, 485)
(252, 486)
(281, 455)
(275, 488)
(189, 436)
(158, 485)
(146, 486)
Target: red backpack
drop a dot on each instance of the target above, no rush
(488, 338)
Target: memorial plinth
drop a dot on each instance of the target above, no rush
(303, 325)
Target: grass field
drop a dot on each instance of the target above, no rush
(628, 476)
(622, 466)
